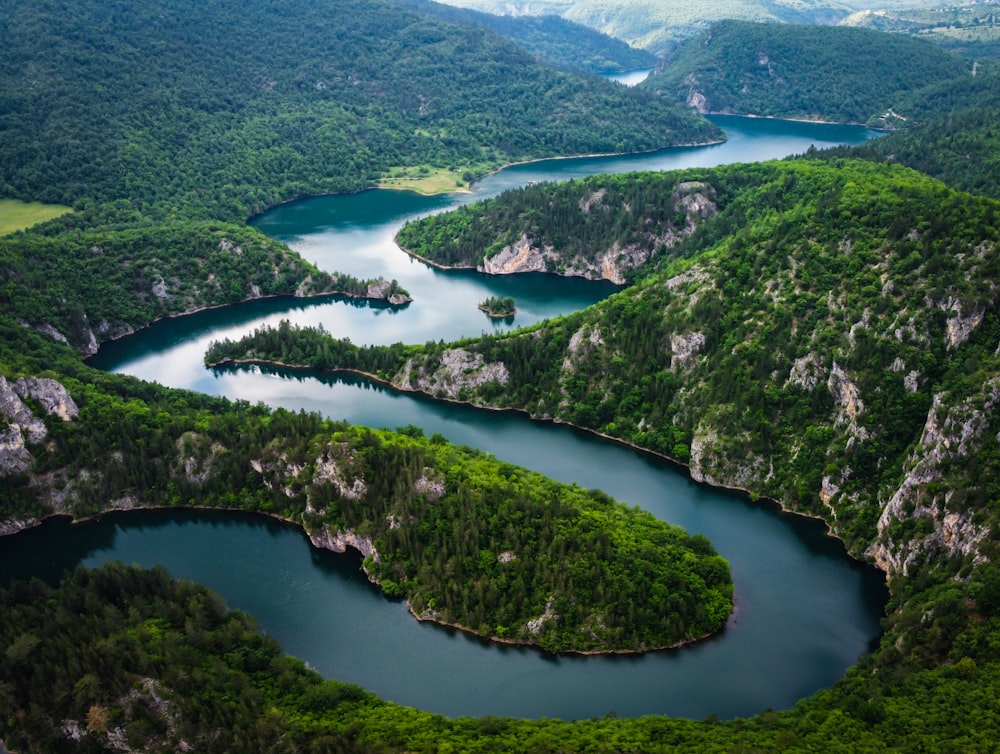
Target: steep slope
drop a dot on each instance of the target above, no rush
(810, 72)
(955, 139)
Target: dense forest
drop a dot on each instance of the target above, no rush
(433, 517)
(85, 287)
(600, 233)
(127, 102)
(842, 74)
(956, 139)
(865, 277)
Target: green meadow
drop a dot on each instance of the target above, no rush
(18, 215)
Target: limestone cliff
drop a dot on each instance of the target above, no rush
(691, 201)
(23, 427)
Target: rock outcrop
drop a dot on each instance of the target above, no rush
(456, 371)
(384, 290)
(694, 201)
(951, 435)
(20, 427)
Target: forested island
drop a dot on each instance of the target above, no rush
(498, 307)
(822, 332)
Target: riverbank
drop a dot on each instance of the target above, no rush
(757, 499)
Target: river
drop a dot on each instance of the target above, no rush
(804, 609)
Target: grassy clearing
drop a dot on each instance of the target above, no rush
(424, 180)
(18, 215)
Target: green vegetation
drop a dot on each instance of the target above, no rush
(498, 306)
(827, 339)
(261, 103)
(161, 664)
(16, 215)
(595, 575)
(94, 285)
(955, 140)
(808, 285)
(840, 74)
(566, 226)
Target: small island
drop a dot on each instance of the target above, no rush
(498, 307)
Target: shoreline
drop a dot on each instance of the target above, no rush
(756, 498)
(32, 522)
(216, 307)
(817, 121)
(469, 189)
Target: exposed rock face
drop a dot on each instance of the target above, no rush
(535, 625)
(196, 454)
(718, 459)
(521, 257)
(382, 289)
(14, 456)
(685, 347)
(458, 369)
(429, 487)
(333, 468)
(19, 416)
(806, 372)
(55, 398)
(848, 399)
(339, 542)
(695, 200)
(950, 435)
(581, 344)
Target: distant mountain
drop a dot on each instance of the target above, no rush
(810, 72)
(657, 25)
(554, 40)
(227, 108)
(972, 30)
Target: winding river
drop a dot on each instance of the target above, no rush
(805, 611)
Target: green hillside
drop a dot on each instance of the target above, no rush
(821, 332)
(133, 101)
(955, 139)
(839, 74)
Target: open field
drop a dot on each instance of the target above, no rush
(18, 215)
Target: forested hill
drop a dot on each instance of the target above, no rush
(957, 139)
(228, 107)
(555, 40)
(837, 74)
